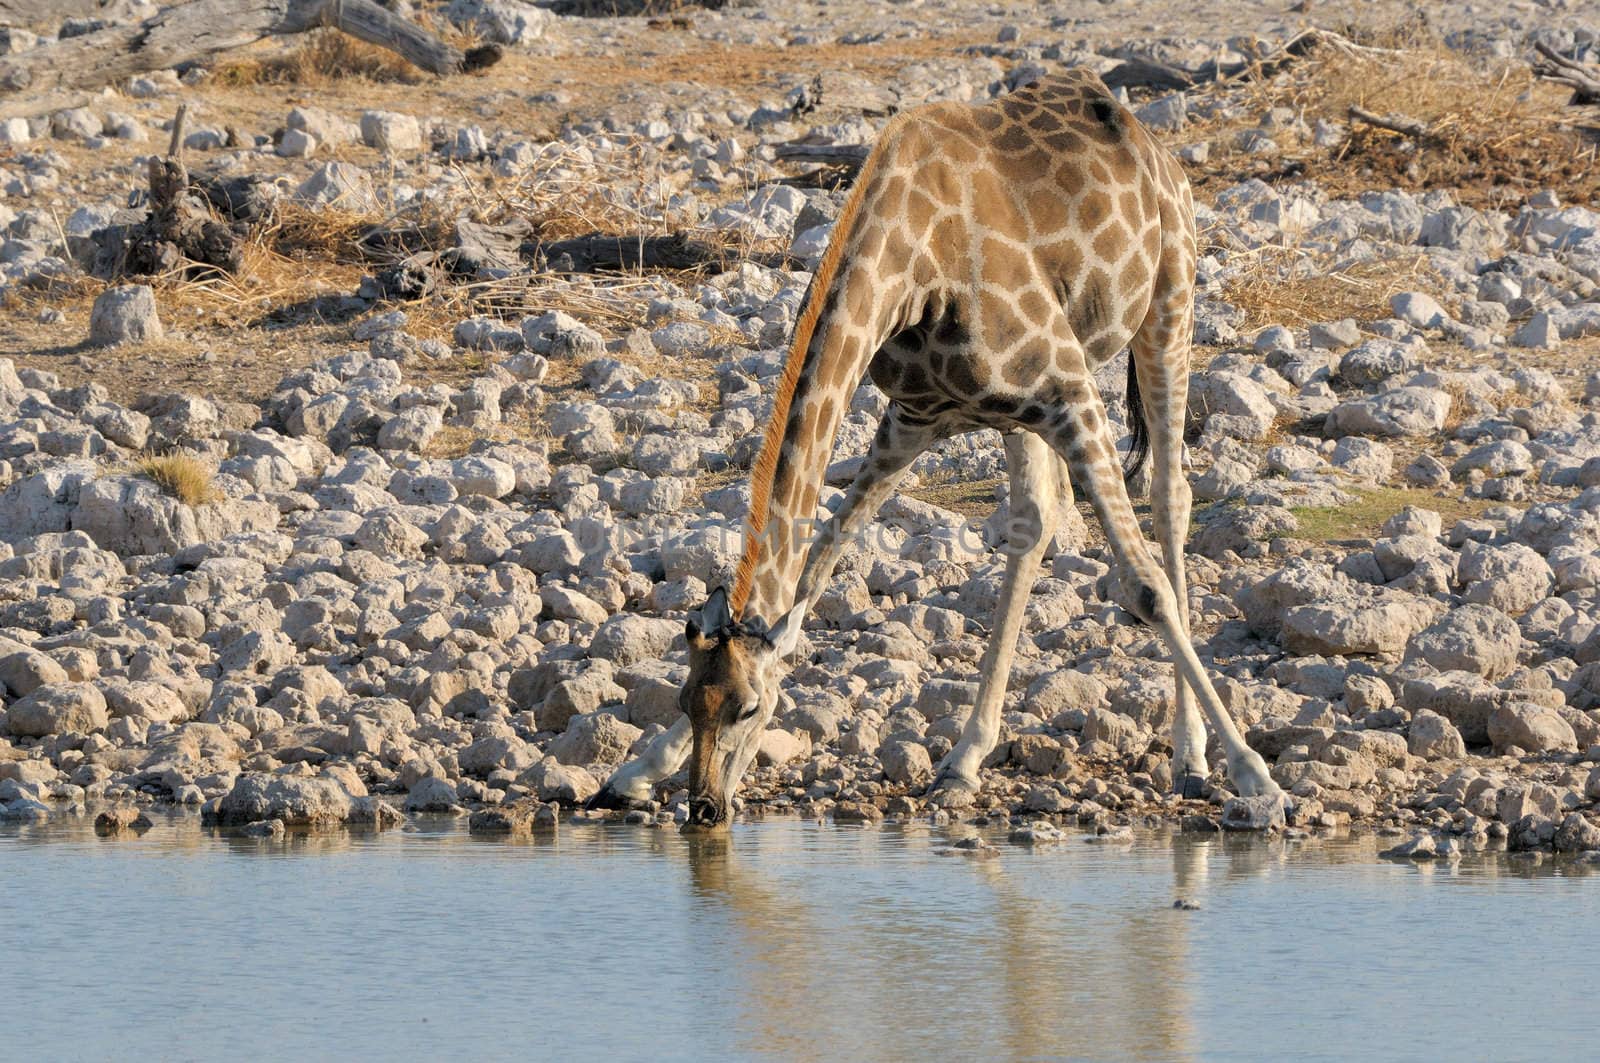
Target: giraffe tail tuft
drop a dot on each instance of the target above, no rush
(1138, 428)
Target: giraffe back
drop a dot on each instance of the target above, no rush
(1049, 202)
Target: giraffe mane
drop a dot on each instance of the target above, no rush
(765, 469)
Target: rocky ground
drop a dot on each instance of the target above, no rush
(398, 520)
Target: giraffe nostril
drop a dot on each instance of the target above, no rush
(704, 810)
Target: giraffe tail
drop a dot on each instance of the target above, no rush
(1138, 429)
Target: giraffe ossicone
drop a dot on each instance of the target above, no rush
(989, 258)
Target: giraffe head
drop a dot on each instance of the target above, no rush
(729, 697)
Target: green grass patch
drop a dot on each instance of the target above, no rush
(1363, 519)
(970, 498)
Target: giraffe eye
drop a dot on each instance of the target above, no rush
(749, 710)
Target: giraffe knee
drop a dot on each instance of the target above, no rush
(1171, 486)
(1148, 602)
(1024, 530)
(1182, 494)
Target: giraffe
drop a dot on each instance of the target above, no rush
(988, 259)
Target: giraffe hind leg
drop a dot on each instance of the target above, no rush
(1169, 518)
(1080, 433)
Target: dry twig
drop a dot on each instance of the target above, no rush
(1394, 123)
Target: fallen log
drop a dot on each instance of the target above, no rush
(1168, 77)
(829, 154)
(65, 73)
(1147, 74)
(604, 253)
(598, 251)
(827, 178)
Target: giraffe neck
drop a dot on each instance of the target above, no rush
(852, 307)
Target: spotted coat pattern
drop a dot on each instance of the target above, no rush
(989, 259)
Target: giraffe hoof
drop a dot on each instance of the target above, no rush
(1191, 786)
(609, 800)
(952, 791)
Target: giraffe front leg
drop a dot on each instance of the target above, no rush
(1169, 507)
(1158, 385)
(635, 781)
(1170, 503)
(1034, 509)
(899, 441)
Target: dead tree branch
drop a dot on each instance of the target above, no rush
(1144, 73)
(1394, 123)
(604, 252)
(179, 233)
(1583, 81)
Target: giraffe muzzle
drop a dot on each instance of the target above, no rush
(705, 813)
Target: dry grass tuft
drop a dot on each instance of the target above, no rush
(1453, 386)
(182, 476)
(1287, 286)
(1496, 134)
(325, 56)
(567, 193)
(300, 257)
(455, 441)
(336, 234)
(269, 281)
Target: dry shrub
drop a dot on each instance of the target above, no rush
(620, 8)
(1496, 133)
(1285, 286)
(325, 55)
(451, 441)
(270, 278)
(1453, 386)
(564, 194)
(183, 477)
(299, 263)
(335, 234)
(301, 254)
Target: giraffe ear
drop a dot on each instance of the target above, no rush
(785, 634)
(715, 615)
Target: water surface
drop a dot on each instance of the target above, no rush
(787, 940)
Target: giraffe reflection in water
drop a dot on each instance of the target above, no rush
(979, 963)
